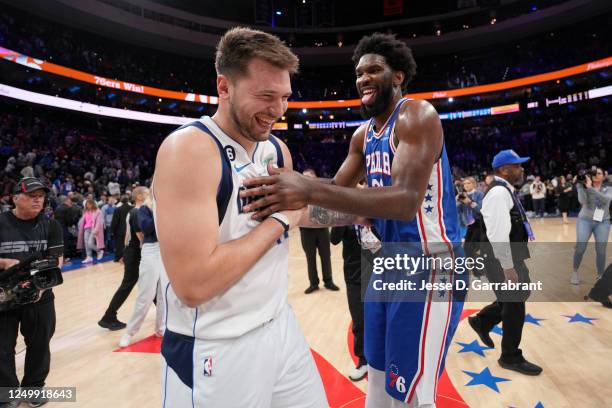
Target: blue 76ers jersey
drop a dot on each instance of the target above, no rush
(435, 225)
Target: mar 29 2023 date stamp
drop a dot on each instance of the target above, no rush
(37, 394)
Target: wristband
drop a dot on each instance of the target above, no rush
(282, 219)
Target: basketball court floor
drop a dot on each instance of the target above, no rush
(572, 341)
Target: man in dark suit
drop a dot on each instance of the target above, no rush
(118, 226)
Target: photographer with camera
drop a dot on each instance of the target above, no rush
(25, 236)
(593, 219)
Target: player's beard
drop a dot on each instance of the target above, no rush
(382, 101)
(243, 125)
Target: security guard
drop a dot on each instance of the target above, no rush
(507, 231)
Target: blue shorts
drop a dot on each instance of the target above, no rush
(409, 339)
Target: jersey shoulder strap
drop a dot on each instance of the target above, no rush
(226, 185)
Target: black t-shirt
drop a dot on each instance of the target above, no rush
(134, 228)
(20, 238)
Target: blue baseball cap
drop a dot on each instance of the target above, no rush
(506, 157)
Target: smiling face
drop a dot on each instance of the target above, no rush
(376, 83)
(257, 99)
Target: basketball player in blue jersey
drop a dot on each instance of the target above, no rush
(231, 339)
(400, 151)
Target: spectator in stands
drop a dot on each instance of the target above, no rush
(538, 196)
(91, 231)
(565, 189)
(114, 188)
(68, 215)
(108, 210)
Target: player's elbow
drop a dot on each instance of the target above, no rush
(190, 296)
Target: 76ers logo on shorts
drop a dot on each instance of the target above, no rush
(395, 380)
(208, 366)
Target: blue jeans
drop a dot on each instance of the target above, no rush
(584, 229)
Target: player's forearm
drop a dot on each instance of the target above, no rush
(395, 202)
(319, 217)
(203, 277)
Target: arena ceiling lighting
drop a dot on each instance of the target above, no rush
(45, 66)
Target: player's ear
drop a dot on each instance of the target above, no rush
(398, 78)
(223, 86)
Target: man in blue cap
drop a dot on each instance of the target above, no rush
(507, 233)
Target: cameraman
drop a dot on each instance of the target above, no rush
(25, 231)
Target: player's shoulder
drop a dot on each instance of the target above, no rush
(277, 141)
(418, 112)
(361, 131)
(186, 142)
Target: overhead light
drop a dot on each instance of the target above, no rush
(451, 99)
(331, 117)
(339, 43)
(438, 32)
(493, 20)
(279, 13)
(304, 110)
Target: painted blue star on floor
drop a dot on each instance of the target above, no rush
(538, 405)
(497, 330)
(473, 347)
(484, 378)
(532, 319)
(580, 318)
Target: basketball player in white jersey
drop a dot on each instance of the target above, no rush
(231, 339)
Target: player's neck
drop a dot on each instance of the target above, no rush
(223, 120)
(380, 120)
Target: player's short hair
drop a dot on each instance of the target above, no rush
(240, 45)
(397, 54)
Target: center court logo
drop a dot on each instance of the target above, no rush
(395, 380)
(208, 366)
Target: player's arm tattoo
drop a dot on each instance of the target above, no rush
(322, 217)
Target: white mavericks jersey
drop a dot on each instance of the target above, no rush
(260, 295)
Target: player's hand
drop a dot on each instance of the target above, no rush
(7, 263)
(588, 182)
(283, 189)
(511, 275)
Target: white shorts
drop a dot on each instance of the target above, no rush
(270, 366)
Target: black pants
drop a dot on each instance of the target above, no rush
(313, 238)
(70, 250)
(119, 247)
(538, 206)
(352, 277)
(36, 322)
(131, 264)
(510, 313)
